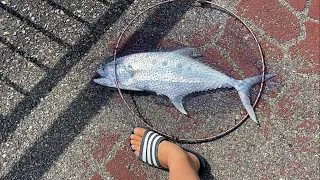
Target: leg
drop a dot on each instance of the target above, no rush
(181, 164)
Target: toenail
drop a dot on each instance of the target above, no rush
(132, 149)
(135, 130)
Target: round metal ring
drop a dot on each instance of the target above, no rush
(174, 138)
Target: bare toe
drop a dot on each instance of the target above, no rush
(135, 142)
(139, 131)
(135, 147)
(137, 153)
(136, 137)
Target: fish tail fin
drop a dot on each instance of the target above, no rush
(243, 89)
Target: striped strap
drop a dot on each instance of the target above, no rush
(149, 148)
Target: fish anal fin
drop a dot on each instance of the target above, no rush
(177, 102)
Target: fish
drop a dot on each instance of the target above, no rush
(174, 74)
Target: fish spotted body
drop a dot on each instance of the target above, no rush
(174, 74)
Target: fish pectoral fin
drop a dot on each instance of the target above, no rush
(189, 52)
(177, 102)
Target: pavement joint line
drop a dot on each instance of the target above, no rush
(220, 31)
(261, 32)
(307, 6)
(13, 85)
(117, 146)
(288, 6)
(298, 14)
(313, 20)
(302, 18)
(34, 25)
(226, 54)
(69, 13)
(24, 55)
(273, 40)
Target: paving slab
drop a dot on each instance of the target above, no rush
(57, 124)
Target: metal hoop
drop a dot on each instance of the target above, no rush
(174, 138)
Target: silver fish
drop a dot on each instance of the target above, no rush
(174, 74)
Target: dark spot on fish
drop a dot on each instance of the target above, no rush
(164, 63)
(130, 66)
(179, 65)
(146, 87)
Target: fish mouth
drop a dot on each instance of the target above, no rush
(96, 76)
(104, 81)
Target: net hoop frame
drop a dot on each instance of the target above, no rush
(176, 138)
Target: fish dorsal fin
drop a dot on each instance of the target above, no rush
(177, 102)
(189, 52)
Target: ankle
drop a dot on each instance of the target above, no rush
(168, 152)
(177, 156)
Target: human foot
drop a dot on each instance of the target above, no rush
(169, 155)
